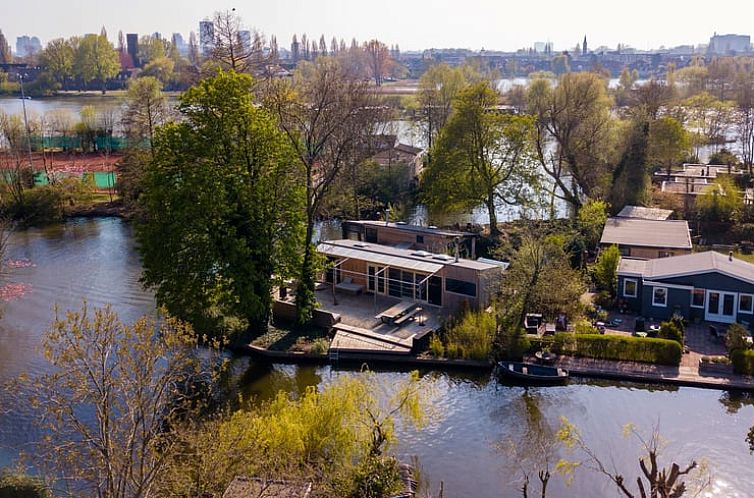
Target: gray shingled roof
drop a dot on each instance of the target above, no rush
(645, 213)
(687, 264)
(647, 233)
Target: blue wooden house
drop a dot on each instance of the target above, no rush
(706, 286)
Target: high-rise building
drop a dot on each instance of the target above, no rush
(132, 47)
(244, 37)
(26, 45)
(180, 44)
(206, 37)
(729, 44)
(539, 47)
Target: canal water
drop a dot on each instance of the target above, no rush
(473, 419)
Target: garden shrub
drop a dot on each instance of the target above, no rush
(471, 337)
(41, 205)
(436, 347)
(671, 331)
(584, 326)
(320, 346)
(615, 347)
(736, 338)
(743, 361)
(16, 485)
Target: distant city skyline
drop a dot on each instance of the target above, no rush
(412, 24)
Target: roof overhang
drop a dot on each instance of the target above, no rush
(378, 259)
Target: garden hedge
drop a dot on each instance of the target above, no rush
(617, 347)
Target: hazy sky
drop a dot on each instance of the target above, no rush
(413, 24)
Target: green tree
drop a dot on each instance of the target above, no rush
(329, 116)
(438, 88)
(560, 64)
(96, 59)
(605, 270)
(575, 115)
(591, 221)
(6, 57)
(737, 337)
(720, 202)
(57, 57)
(160, 68)
(150, 48)
(626, 83)
(482, 157)
(223, 202)
(540, 280)
(146, 109)
(669, 143)
(630, 178)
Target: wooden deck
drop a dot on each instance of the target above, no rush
(360, 331)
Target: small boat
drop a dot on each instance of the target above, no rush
(529, 373)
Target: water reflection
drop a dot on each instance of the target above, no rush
(474, 420)
(471, 414)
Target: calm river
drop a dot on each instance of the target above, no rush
(472, 417)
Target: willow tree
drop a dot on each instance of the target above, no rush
(573, 135)
(222, 203)
(329, 116)
(482, 156)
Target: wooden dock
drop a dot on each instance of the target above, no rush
(351, 339)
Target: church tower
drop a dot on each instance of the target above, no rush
(584, 49)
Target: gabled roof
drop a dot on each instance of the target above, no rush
(672, 234)
(688, 264)
(645, 213)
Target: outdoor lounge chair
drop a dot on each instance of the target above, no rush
(348, 286)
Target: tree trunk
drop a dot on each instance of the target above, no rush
(494, 232)
(305, 298)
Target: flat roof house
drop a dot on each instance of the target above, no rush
(405, 236)
(706, 286)
(438, 280)
(647, 239)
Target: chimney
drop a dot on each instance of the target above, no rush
(730, 256)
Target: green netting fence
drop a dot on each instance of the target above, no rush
(101, 180)
(78, 143)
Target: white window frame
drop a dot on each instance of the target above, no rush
(704, 301)
(636, 287)
(750, 310)
(654, 294)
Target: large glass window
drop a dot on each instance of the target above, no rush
(460, 287)
(376, 279)
(629, 287)
(697, 298)
(394, 284)
(746, 303)
(660, 296)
